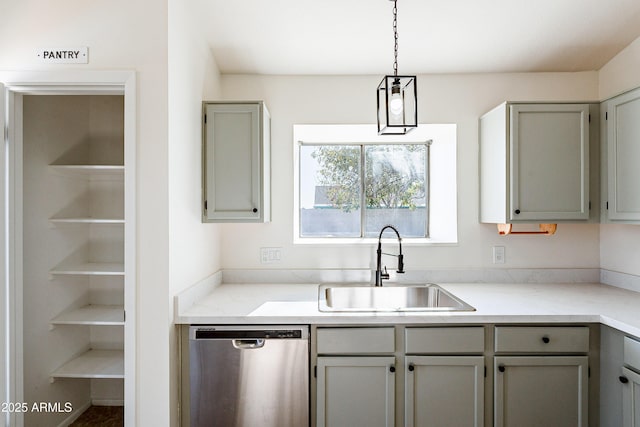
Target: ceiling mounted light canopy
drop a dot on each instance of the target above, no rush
(397, 95)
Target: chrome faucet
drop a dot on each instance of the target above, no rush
(379, 274)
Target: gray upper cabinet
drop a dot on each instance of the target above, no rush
(622, 118)
(236, 162)
(534, 163)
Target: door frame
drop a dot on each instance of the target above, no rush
(13, 85)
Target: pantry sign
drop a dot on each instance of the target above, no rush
(67, 55)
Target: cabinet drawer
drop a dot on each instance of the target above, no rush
(542, 339)
(355, 340)
(632, 353)
(444, 340)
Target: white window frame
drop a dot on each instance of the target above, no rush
(442, 175)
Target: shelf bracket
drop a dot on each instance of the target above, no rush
(545, 230)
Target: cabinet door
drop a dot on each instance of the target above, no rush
(549, 159)
(444, 391)
(535, 391)
(356, 391)
(630, 399)
(233, 152)
(611, 359)
(623, 154)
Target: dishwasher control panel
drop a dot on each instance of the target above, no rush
(240, 332)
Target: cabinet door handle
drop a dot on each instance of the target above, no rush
(517, 211)
(501, 368)
(546, 340)
(411, 367)
(255, 210)
(623, 379)
(392, 368)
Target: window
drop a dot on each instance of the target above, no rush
(350, 182)
(355, 190)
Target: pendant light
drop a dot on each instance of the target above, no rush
(397, 95)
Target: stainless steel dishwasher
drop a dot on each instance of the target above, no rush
(248, 376)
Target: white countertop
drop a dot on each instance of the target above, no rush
(494, 303)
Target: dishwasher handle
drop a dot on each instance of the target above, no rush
(243, 344)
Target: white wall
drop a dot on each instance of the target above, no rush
(621, 73)
(619, 244)
(459, 99)
(194, 247)
(130, 35)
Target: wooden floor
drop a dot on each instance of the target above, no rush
(101, 416)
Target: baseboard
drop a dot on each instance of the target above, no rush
(107, 402)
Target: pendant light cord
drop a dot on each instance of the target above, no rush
(395, 37)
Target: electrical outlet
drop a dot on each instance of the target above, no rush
(498, 255)
(270, 255)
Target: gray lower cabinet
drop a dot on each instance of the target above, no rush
(630, 398)
(630, 379)
(356, 376)
(434, 376)
(366, 377)
(611, 361)
(541, 376)
(444, 376)
(444, 391)
(356, 391)
(619, 379)
(533, 391)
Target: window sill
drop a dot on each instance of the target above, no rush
(357, 241)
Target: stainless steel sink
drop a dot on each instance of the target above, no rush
(391, 297)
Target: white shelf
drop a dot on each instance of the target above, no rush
(99, 315)
(87, 220)
(90, 269)
(112, 170)
(93, 364)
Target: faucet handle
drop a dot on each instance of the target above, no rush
(384, 275)
(400, 264)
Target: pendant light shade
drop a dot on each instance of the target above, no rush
(397, 95)
(397, 105)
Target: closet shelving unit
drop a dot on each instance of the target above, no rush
(88, 171)
(93, 364)
(100, 210)
(92, 315)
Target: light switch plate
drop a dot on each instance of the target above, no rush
(498, 255)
